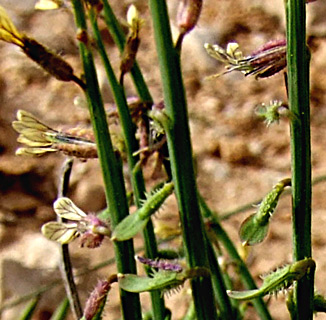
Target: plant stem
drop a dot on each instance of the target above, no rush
(244, 273)
(131, 143)
(180, 152)
(61, 312)
(65, 265)
(111, 169)
(30, 309)
(225, 306)
(298, 90)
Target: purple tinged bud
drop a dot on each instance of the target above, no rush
(96, 300)
(159, 264)
(188, 15)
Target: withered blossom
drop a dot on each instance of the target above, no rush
(40, 138)
(132, 42)
(262, 63)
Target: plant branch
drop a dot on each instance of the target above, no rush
(244, 273)
(132, 146)
(65, 265)
(180, 152)
(111, 168)
(298, 90)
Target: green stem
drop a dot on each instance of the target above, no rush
(244, 273)
(180, 152)
(111, 169)
(131, 143)
(30, 309)
(298, 90)
(225, 306)
(66, 265)
(61, 311)
(120, 40)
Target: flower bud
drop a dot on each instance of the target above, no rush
(97, 299)
(188, 15)
(160, 264)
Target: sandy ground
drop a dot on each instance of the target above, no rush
(239, 161)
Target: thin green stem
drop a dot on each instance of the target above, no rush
(66, 265)
(298, 90)
(225, 306)
(131, 143)
(244, 273)
(61, 311)
(28, 312)
(111, 169)
(180, 152)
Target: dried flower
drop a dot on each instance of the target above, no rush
(132, 43)
(264, 62)
(40, 139)
(91, 229)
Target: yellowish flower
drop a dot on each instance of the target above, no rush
(40, 139)
(8, 31)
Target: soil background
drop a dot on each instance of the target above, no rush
(238, 158)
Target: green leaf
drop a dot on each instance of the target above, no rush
(128, 227)
(251, 232)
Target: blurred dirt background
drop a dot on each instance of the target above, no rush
(238, 158)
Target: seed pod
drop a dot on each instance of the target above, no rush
(254, 229)
(160, 280)
(278, 280)
(136, 221)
